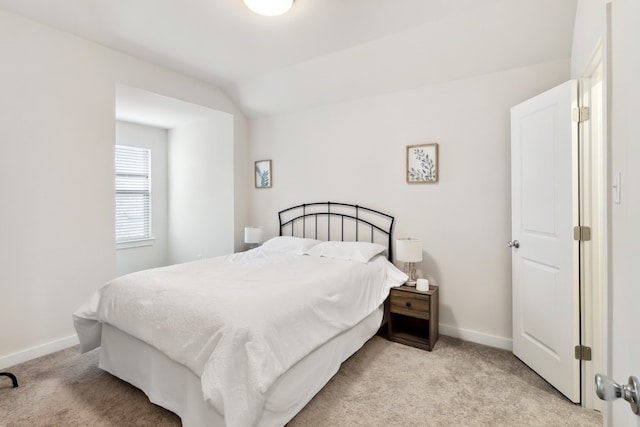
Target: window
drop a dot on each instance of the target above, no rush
(133, 194)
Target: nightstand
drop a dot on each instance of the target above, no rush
(413, 316)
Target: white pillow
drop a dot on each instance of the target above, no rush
(353, 251)
(290, 244)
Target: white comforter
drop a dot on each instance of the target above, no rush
(240, 321)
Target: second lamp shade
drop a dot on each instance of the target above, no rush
(409, 250)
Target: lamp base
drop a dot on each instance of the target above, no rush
(410, 270)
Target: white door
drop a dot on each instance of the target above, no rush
(544, 254)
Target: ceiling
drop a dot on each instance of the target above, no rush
(322, 51)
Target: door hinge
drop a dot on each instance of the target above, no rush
(583, 352)
(581, 233)
(581, 114)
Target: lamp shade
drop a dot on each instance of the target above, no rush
(252, 235)
(409, 250)
(269, 7)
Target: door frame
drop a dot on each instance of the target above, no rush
(591, 202)
(593, 213)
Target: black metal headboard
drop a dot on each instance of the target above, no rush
(337, 221)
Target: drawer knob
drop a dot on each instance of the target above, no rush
(408, 304)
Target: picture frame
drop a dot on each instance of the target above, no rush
(422, 164)
(263, 175)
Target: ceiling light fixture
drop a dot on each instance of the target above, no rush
(269, 7)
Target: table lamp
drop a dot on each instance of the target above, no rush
(409, 251)
(253, 236)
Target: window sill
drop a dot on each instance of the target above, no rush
(135, 244)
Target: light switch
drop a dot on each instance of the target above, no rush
(617, 183)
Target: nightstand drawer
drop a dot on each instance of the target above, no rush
(417, 306)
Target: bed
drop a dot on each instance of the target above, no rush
(249, 338)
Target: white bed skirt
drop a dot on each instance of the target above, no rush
(176, 388)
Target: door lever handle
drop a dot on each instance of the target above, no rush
(608, 389)
(513, 244)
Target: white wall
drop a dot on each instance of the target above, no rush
(57, 130)
(355, 152)
(588, 34)
(201, 211)
(154, 254)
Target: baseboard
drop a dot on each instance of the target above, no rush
(38, 351)
(477, 337)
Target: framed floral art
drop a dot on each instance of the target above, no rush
(422, 163)
(263, 173)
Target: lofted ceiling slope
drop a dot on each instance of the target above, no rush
(322, 51)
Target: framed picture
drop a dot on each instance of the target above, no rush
(422, 163)
(263, 173)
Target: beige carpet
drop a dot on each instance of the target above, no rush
(384, 384)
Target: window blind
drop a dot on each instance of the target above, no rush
(133, 193)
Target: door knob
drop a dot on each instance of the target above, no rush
(513, 244)
(608, 389)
